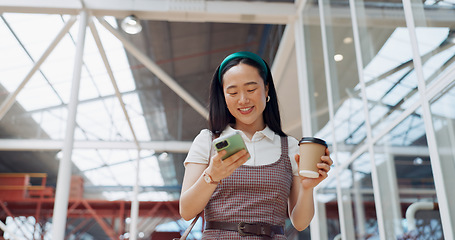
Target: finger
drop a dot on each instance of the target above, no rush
(297, 158)
(243, 159)
(235, 157)
(327, 159)
(240, 154)
(219, 155)
(324, 167)
(327, 152)
(323, 174)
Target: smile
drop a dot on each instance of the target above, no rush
(246, 110)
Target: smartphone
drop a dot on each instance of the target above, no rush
(232, 143)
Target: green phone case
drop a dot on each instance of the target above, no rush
(232, 143)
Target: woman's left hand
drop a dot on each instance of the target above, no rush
(324, 168)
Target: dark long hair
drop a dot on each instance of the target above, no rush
(219, 115)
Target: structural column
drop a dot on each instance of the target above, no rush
(442, 165)
(331, 79)
(348, 217)
(135, 202)
(64, 171)
(370, 143)
(318, 225)
(358, 205)
(389, 194)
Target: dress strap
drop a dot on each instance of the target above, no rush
(284, 146)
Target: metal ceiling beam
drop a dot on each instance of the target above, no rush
(380, 16)
(56, 145)
(219, 11)
(158, 71)
(135, 201)
(163, 146)
(283, 54)
(110, 73)
(168, 10)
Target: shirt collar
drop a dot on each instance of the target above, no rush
(267, 132)
(228, 130)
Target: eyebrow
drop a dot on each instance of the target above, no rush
(246, 84)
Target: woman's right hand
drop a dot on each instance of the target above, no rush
(219, 169)
(195, 192)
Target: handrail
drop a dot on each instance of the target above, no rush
(36, 190)
(12, 187)
(33, 175)
(415, 207)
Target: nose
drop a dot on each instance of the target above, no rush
(243, 98)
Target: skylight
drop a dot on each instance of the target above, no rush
(384, 95)
(394, 53)
(24, 39)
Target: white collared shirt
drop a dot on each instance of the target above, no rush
(264, 148)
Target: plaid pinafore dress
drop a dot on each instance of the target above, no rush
(252, 194)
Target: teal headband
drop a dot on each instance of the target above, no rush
(248, 55)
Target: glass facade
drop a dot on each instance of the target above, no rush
(389, 77)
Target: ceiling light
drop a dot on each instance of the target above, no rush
(338, 57)
(347, 40)
(131, 24)
(418, 161)
(163, 156)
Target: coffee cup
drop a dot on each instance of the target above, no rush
(311, 149)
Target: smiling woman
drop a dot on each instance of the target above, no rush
(249, 192)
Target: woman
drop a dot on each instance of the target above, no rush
(248, 193)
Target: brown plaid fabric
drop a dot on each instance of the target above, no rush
(252, 194)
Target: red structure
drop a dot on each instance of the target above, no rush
(19, 198)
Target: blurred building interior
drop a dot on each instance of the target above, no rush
(96, 119)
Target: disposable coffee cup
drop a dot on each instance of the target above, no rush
(311, 149)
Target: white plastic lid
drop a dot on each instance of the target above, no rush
(308, 173)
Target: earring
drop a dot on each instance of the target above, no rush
(268, 99)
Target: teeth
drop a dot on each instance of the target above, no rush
(245, 109)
